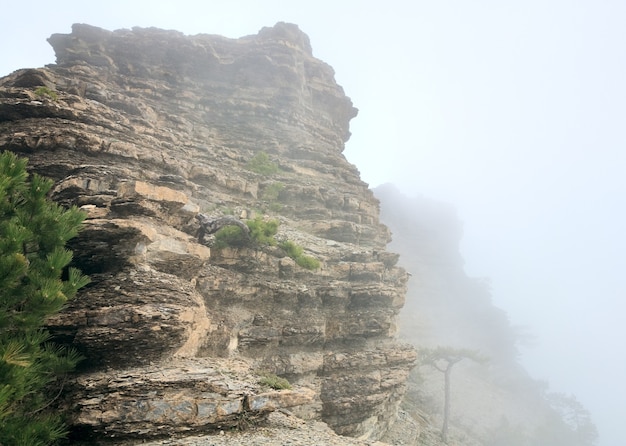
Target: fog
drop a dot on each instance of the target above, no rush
(512, 112)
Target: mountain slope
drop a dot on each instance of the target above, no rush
(492, 404)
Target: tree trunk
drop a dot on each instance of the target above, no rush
(446, 404)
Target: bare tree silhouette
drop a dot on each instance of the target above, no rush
(443, 359)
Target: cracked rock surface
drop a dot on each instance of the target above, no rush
(151, 127)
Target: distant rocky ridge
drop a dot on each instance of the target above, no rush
(494, 404)
(144, 129)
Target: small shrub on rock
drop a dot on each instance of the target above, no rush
(308, 262)
(46, 92)
(275, 382)
(261, 164)
(230, 236)
(296, 252)
(262, 232)
(291, 249)
(272, 191)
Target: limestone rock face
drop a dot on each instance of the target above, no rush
(146, 129)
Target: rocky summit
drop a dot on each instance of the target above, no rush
(145, 129)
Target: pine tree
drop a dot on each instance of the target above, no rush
(35, 282)
(443, 359)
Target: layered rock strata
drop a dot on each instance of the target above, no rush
(144, 129)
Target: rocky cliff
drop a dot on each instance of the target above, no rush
(146, 128)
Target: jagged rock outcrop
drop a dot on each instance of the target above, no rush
(145, 129)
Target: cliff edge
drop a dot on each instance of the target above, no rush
(145, 129)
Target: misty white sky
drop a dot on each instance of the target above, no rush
(513, 111)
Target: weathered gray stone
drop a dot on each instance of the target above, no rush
(151, 127)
